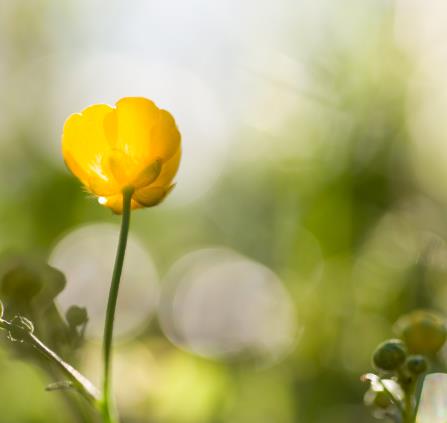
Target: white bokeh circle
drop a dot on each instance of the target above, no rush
(86, 256)
(218, 303)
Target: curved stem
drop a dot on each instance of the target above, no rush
(108, 411)
(78, 381)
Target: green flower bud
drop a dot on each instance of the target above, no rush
(424, 332)
(27, 282)
(416, 364)
(76, 316)
(390, 355)
(21, 284)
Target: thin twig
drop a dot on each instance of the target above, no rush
(80, 382)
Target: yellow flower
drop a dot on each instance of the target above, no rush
(134, 145)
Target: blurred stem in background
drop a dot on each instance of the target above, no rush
(109, 413)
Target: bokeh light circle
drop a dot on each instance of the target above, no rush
(217, 303)
(86, 256)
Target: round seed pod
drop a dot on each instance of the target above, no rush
(416, 364)
(76, 316)
(21, 283)
(390, 355)
(424, 332)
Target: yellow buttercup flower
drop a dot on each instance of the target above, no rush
(134, 145)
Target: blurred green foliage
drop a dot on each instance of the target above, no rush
(347, 227)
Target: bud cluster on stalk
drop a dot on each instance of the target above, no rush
(401, 363)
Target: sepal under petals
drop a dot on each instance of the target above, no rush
(148, 175)
(151, 196)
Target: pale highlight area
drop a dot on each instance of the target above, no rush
(86, 256)
(166, 384)
(134, 365)
(217, 303)
(274, 81)
(217, 71)
(421, 29)
(188, 98)
(433, 404)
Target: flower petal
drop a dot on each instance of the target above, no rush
(111, 127)
(84, 140)
(136, 117)
(144, 131)
(77, 170)
(103, 187)
(121, 166)
(165, 137)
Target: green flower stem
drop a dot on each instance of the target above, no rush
(108, 409)
(77, 380)
(410, 403)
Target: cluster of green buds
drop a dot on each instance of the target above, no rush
(401, 364)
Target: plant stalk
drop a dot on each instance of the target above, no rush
(108, 409)
(78, 381)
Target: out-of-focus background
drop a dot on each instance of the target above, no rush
(310, 209)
